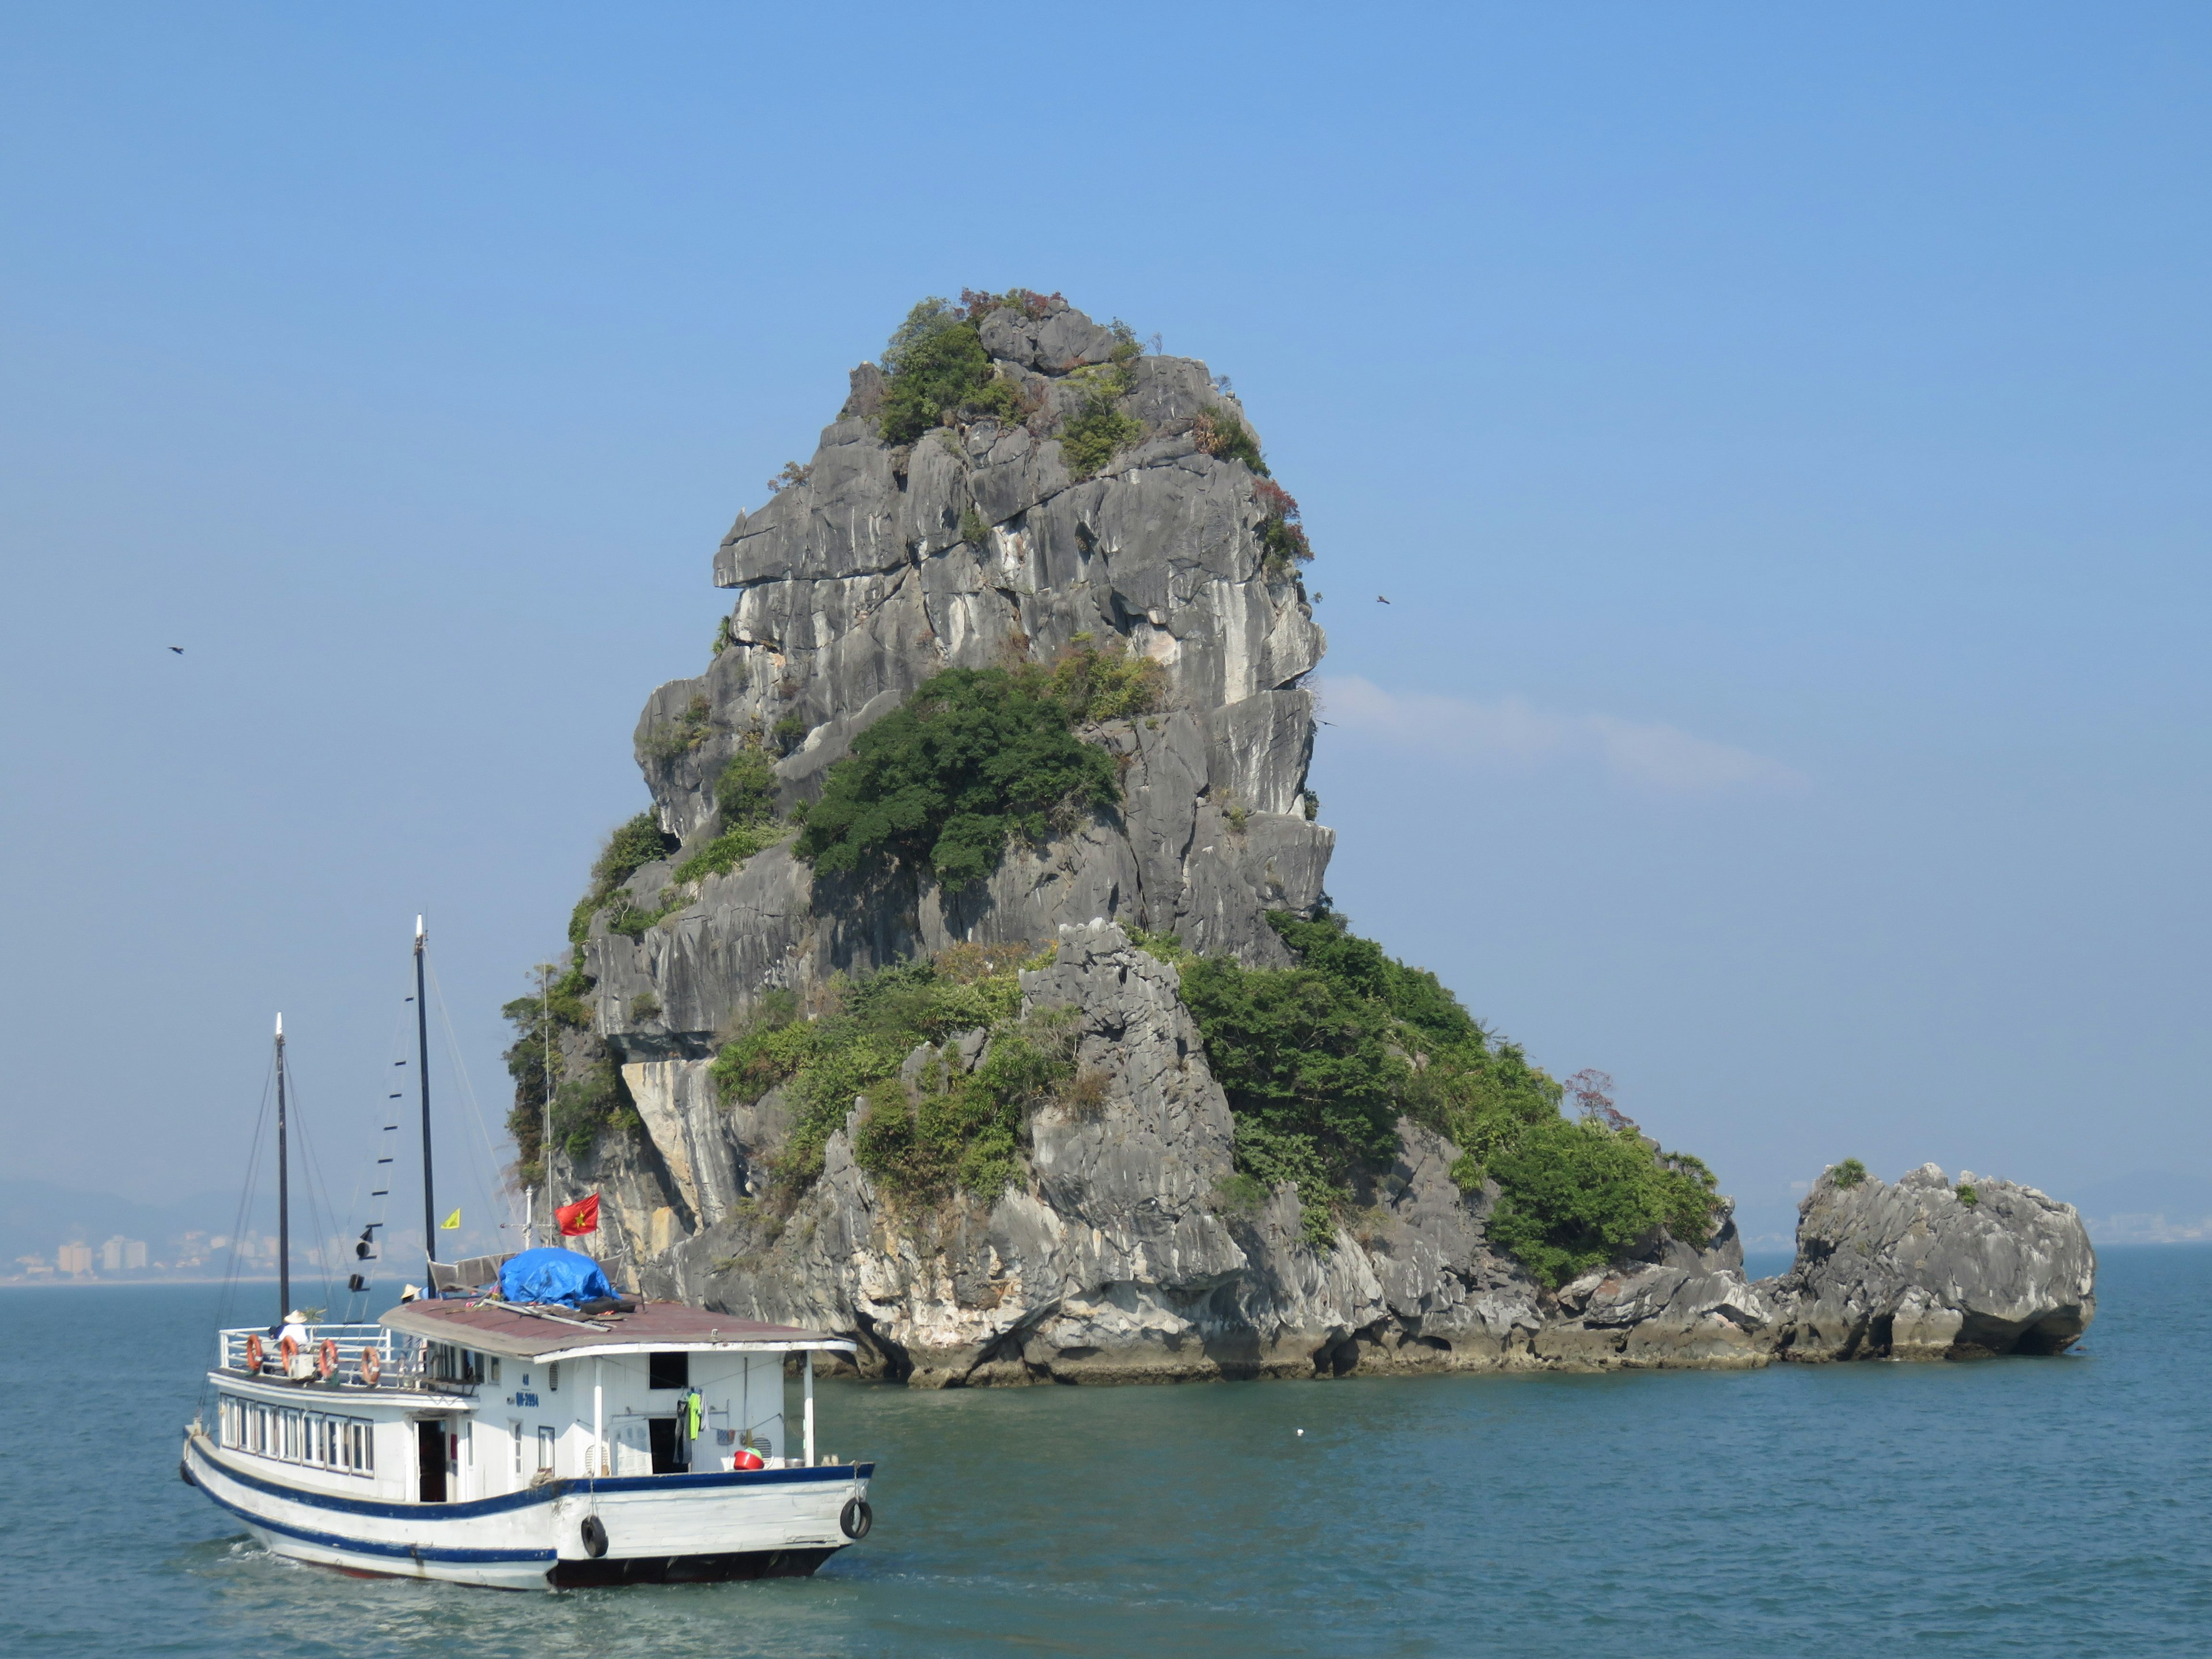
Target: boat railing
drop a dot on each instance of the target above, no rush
(400, 1362)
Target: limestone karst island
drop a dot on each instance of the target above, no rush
(972, 990)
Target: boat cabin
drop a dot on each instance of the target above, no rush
(452, 1401)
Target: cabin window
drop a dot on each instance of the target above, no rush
(514, 1433)
(491, 1367)
(553, 1377)
(545, 1449)
(665, 1369)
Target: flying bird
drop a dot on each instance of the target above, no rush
(178, 649)
(1379, 600)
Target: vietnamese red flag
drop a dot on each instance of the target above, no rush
(581, 1216)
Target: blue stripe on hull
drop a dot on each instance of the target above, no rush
(835, 1474)
(331, 1541)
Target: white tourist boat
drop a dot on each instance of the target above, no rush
(518, 1447)
(521, 1445)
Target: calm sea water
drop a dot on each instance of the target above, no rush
(2016, 1508)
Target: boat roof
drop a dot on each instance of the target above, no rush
(533, 1331)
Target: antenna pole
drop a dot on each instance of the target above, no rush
(422, 1079)
(545, 1123)
(283, 1191)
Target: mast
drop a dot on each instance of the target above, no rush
(545, 1123)
(423, 1077)
(284, 1192)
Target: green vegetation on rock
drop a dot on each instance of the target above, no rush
(1577, 1193)
(973, 758)
(1320, 1060)
(1099, 426)
(671, 740)
(744, 803)
(1218, 433)
(1849, 1173)
(539, 1019)
(593, 1104)
(629, 847)
(936, 363)
(965, 1131)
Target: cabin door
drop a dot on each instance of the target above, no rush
(431, 1460)
(667, 1448)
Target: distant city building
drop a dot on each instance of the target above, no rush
(34, 1266)
(74, 1258)
(134, 1254)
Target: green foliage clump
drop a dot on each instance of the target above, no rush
(1319, 1060)
(628, 850)
(1096, 684)
(856, 1045)
(964, 1132)
(973, 530)
(645, 1005)
(671, 740)
(1283, 543)
(936, 364)
(789, 732)
(745, 791)
(1099, 426)
(1164, 947)
(1969, 1197)
(745, 799)
(1849, 1173)
(538, 1020)
(726, 851)
(1218, 433)
(1577, 1193)
(594, 1105)
(973, 757)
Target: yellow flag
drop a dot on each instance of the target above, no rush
(452, 1224)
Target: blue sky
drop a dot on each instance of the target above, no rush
(1781, 436)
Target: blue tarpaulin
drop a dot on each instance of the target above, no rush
(552, 1275)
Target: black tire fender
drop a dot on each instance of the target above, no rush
(184, 1471)
(856, 1518)
(595, 1537)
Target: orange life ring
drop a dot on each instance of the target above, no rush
(326, 1360)
(253, 1354)
(288, 1351)
(372, 1367)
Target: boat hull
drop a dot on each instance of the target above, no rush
(677, 1528)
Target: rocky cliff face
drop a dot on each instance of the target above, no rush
(1119, 1254)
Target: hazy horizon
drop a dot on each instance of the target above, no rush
(1777, 435)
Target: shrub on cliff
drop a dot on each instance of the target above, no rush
(744, 801)
(1218, 433)
(972, 759)
(629, 847)
(1320, 1060)
(966, 1130)
(1576, 1195)
(538, 1020)
(935, 362)
(1099, 426)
